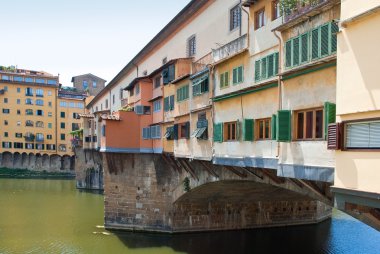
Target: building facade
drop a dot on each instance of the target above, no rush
(88, 83)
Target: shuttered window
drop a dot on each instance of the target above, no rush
(218, 132)
(266, 67)
(312, 45)
(363, 135)
(183, 93)
(237, 75)
(330, 114)
(248, 129)
(283, 126)
(224, 80)
(169, 103)
(263, 127)
(200, 85)
(155, 132)
(273, 127)
(146, 133)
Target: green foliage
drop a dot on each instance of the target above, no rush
(289, 6)
(186, 184)
(126, 109)
(25, 173)
(9, 68)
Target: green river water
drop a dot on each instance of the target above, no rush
(51, 216)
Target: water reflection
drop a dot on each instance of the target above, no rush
(51, 216)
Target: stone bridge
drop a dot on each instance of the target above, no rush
(157, 192)
(37, 161)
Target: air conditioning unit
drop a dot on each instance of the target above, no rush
(139, 109)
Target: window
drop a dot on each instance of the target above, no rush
(29, 80)
(276, 9)
(5, 100)
(137, 89)
(164, 60)
(157, 81)
(237, 75)
(94, 84)
(202, 124)
(266, 67)
(260, 18)
(183, 93)
(312, 45)
(18, 135)
(85, 84)
(39, 93)
(103, 130)
(29, 101)
(76, 116)
(5, 77)
(62, 148)
(62, 104)
(29, 91)
(157, 106)
(169, 103)
(7, 145)
(5, 122)
(63, 136)
(50, 114)
(50, 125)
(230, 131)
(63, 125)
(5, 134)
(40, 146)
(49, 136)
(18, 79)
(5, 88)
(362, 135)
(155, 132)
(191, 46)
(184, 130)
(263, 128)
(39, 124)
(200, 85)
(131, 92)
(224, 80)
(235, 17)
(39, 137)
(75, 126)
(18, 101)
(62, 114)
(18, 90)
(146, 133)
(39, 102)
(40, 81)
(49, 93)
(29, 123)
(169, 134)
(6, 111)
(39, 112)
(106, 103)
(29, 146)
(71, 104)
(50, 147)
(80, 105)
(18, 145)
(29, 112)
(121, 94)
(50, 104)
(113, 99)
(18, 112)
(168, 74)
(18, 123)
(309, 124)
(52, 82)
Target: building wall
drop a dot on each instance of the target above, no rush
(91, 81)
(358, 94)
(182, 146)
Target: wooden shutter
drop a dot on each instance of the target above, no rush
(248, 129)
(257, 70)
(334, 137)
(276, 62)
(325, 39)
(175, 131)
(271, 65)
(238, 129)
(288, 53)
(171, 102)
(264, 72)
(234, 76)
(315, 35)
(334, 30)
(171, 73)
(187, 126)
(218, 132)
(296, 51)
(241, 74)
(221, 83)
(166, 104)
(330, 114)
(165, 76)
(283, 127)
(304, 48)
(273, 127)
(226, 79)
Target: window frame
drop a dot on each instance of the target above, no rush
(235, 24)
(191, 45)
(257, 17)
(227, 134)
(344, 135)
(276, 9)
(295, 124)
(257, 127)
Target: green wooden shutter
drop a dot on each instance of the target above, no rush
(234, 76)
(175, 131)
(221, 81)
(296, 51)
(218, 132)
(271, 65)
(226, 79)
(273, 126)
(315, 43)
(276, 59)
(257, 70)
(248, 129)
(166, 104)
(334, 30)
(330, 114)
(240, 74)
(325, 39)
(264, 72)
(283, 127)
(305, 48)
(238, 129)
(288, 53)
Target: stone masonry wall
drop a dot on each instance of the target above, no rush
(88, 169)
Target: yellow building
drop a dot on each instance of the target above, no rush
(69, 125)
(356, 137)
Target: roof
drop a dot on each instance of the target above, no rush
(88, 74)
(180, 78)
(134, 81)
(87, 115)
(111, 117)
(184, 15)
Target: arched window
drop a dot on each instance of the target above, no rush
(29, 112)
(40, 124)
(62, 148)
(39, 102)
(29, 123)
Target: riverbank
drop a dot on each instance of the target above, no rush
(33, 174)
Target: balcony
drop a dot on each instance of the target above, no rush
(297, 8)
(124, 102)
(232, 48)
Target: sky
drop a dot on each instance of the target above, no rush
(74, 37)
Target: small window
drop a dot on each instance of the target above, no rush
(63, 114)
(85, 84)
(157, 106)
(50, 125)
(6, 111)
(94, 84)
(224, 80)
(164, 60)
(63, 136)
(260, 18)
(309, 124)
(18, 101)
(29, 112)
(113, 99)
(235, 17)
(191, 46)
(106, 103)
(39, 102)
(184, 130)
(157, 82)
(5, 100)
(5, 122)
(137, 89)
(145, 73)
(18, 90)
(276, 9)
(263, 129)
(6, 134)
(183, 93)
(18, 112)
(237, 75)
(39, 92)
(28, 101)
(230, 131)
(63, 125)
(362, 135)
(49, 136)
(39, 112)
(50, 114)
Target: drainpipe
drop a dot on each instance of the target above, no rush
(212, 92)
(280, 83)
(248, 18)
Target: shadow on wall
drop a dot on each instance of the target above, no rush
(274, 240)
